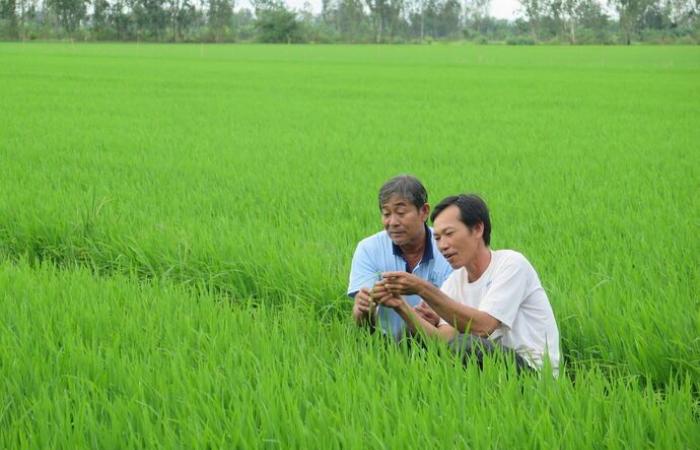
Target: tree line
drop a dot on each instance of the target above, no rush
(352, 21)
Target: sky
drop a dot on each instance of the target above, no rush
(501, 9)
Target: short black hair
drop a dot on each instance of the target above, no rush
(472, 210)
(405, 186)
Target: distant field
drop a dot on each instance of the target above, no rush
(177, 223)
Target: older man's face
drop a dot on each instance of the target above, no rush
(403, 221)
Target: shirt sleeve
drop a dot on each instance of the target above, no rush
(507, 292)
(363, 271)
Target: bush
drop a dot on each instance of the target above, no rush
(8, 30)
(687, 40)
(279, 25)
(520, 40)
(586, 36)
(656, 37)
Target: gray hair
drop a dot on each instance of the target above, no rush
(405, 186)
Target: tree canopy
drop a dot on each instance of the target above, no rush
(353, 21)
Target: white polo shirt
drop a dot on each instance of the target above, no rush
(510, 291)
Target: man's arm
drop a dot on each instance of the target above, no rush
(464, 318)
(415, 322)
(427, 313)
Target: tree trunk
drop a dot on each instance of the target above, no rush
(572, 28)
(422, 21)
(626, 25)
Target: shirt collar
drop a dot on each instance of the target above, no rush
(427, 251)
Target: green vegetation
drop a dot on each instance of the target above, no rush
(109, 364)
(178, 221)
(355, 21)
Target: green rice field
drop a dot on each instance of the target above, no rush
(177, 224)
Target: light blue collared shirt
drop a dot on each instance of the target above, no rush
(376, 254)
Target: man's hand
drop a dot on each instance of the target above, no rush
(384, 297)
(361, 308)
(427, 313)
(402, 283)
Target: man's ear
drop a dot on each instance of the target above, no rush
(424, 211)
(478, 229)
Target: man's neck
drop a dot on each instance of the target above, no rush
(479, 265)
(414, 250)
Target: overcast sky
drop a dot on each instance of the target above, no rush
(502, 9)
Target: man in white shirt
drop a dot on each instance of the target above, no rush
(492, 302)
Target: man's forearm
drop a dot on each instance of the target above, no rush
(464, 318)
(417, 324)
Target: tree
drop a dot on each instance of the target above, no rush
(684, 12)
(450, 14)
(275, 23)
(568, 18)
(244, 24)
(8, 14)
(151, 18)
(385, 17)
(656, 16)
(351, 20)
(553, 12)
(421, 6)
(430, 13)
(69, 12)
(476, 12)
(220, 17)
(533, 10)
(100, 8)
(591, 15)
(121, 21)
(630, 12)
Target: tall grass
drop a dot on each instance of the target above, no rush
(109, 363)
(248, 173)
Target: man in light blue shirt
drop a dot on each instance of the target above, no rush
(406, 244)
